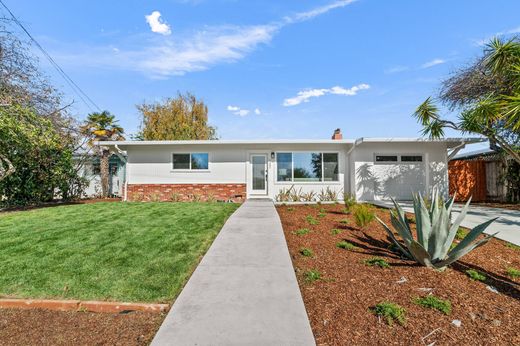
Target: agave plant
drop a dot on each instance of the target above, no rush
(435, 232)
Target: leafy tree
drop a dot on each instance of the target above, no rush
(103, 127)
(487, 96)
(36, 165)
(181, 118)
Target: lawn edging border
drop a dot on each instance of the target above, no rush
(78, 305)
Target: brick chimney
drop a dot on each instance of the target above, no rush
(337, 134)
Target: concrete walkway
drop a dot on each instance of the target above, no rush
(244, 291)
(508, 223)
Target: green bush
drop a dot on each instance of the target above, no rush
(376, 261)
(306, 252)
(349, 200)
(390, 311)
(513, 272)
(433, 302)
(363, 215)
(346, 245)
(312, 275)
(476, 275)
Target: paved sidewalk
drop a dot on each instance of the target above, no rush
(244, 291)
(508, 223)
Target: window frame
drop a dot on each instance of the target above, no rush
(399, 158)
(190, 169)
(322, 180)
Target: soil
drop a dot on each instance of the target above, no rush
(60, 203)
(45, 327)
(498, 205)
(338, 304)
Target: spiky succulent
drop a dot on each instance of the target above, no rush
(435, 232)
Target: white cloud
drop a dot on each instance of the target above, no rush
(397, 69)
(238, 111)
(257, 111)
(305, 95)
(156, 24)
(233, 108)
(195, 51)
(486, 40)
(433, 62)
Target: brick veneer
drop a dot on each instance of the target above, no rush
(186, 192)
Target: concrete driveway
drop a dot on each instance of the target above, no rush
(508, 223)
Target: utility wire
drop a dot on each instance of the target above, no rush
(82, 95)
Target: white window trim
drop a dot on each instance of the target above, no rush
(399, 160)
(189, 170)
(319, 182)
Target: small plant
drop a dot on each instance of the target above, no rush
(363, 215)
(461, 233)
(290, 209)
(322, 215)
(210, 198)
(346, 245)
(195, 198)
(311, 220)
(312, 275)
(284, 194)
(434, 233)
(306, 252)
(513, 272)
(344, 222)
(155, 197)
(302, 231)
(346, 211)
(336, 231)
(476, 275)
(138, 197)
(323, 210)
(411, 219)
(328, 195)
(390, 311)
(433, 302)
(376, 261)
(513, 246)
(308, 196)
(349, 200)
(294, 195)
(175, 197)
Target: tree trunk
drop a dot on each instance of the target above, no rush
(105, 156)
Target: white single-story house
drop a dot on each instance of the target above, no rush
(368, 168)
(88, 167)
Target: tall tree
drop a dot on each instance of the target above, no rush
(181, 118)
(487, 96)
(103, 127)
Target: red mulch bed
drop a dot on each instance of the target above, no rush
(338, 304)
(45, 327)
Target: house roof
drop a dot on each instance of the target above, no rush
(475, 153)
(451, 142)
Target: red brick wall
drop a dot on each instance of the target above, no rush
(186, 192)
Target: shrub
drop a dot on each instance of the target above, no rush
(476, 275)
(390, 311)
(363, 215)
(346, 245)
(513, 272)
(328, 195)
(349, 200)
(312, 275)
(461, 233)
(376, 261)
(306, 252)
(210, 198)
(308, 196)
(311, 220)
(435, 232)
(284, 194)
(336, 231)
(155, 197)
(433, 302)
(302, 231)
(175, 197)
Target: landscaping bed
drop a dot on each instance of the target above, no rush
(340, 290)
(45, 327)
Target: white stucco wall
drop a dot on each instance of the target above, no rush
(382, 181)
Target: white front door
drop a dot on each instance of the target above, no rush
(258, 179)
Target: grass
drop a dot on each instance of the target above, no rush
(461, 233)
(336, 231)
(475, 275)
(302, 231)
(376, 261)
(435, 303)
(312, 275)
(346, 245)
(513, 272)
(391, 312)
(106, 251)
(306, 252)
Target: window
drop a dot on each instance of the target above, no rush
(307, 167)
(411, 158)
(386, 158)
(192, 161)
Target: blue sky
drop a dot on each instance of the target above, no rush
(267, 69)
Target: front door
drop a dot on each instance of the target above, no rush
(259, 174)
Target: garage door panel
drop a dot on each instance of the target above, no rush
(399, 181)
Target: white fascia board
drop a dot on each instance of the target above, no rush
(224, 142)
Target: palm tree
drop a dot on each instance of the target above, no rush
(102, 127)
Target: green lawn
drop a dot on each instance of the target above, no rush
(141, 252)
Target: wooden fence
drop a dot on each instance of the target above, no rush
(468, 178)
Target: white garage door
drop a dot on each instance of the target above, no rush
(398, 176)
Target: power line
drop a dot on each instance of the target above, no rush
(82, 95)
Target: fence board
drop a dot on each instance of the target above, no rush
(468, 178)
